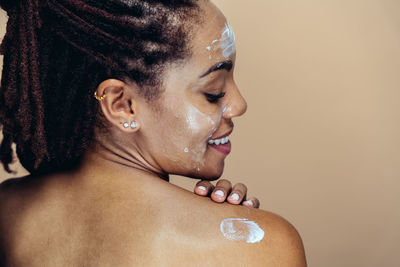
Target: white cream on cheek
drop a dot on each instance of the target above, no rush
(237, 229)
(200, 124)
(226, 43)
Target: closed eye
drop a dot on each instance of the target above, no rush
(214, 98)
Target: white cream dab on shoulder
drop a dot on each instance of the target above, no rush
(237, 229)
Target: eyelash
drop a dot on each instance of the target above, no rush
(214, 98)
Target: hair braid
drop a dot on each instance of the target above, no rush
(56, 52)
(29, 110)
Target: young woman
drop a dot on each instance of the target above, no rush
(104, 100)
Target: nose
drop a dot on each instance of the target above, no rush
(235, 105)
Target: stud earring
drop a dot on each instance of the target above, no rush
(126, 125)
(133, 125)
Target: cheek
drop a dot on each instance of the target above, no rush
(183, 132)
(195, 130)
(201, 125)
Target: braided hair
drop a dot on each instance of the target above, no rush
(56, 53)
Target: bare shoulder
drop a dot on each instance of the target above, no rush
(8, 192)
(8, 185)
(14, 190)
(271, 240)
(17, 196)
(8, 213)
(283, 238)
(13, 193)
(235, 235)
(13, 185)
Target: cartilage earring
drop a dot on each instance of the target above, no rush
(126, 125)
(99, 97)
(133, 125)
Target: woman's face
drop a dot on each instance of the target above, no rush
(196, 108)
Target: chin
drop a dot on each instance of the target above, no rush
(209, 174)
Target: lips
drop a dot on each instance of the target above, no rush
(224, 148)
(222, 136)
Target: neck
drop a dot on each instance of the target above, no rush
(103, 160)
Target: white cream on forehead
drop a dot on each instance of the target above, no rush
(237, 229)
(226, 43)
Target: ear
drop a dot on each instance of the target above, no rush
(116, 99)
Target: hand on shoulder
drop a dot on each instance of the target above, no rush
(276, 241)
(224, 191)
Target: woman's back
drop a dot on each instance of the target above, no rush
(62, 221)
(121, 94)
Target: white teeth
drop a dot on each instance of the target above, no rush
(221, 141)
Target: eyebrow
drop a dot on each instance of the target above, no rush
(226, 65)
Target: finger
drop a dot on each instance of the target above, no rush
(203, 188)
(221, 190)
(252, 203)
(238, 193)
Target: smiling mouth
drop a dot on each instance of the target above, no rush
(222, 145)
(221, 141)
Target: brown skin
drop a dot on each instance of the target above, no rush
(229, 191)
(118, 208)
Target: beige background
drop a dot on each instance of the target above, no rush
(320, 143)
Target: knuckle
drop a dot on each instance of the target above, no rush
(203, 183)
(241, 185)
(224, 183)
(199, 183)
(256, 202)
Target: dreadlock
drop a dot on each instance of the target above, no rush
(56, 53)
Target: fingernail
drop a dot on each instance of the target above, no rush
(202, 188)
(220, 193)
(249, 202)
(235, 196)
